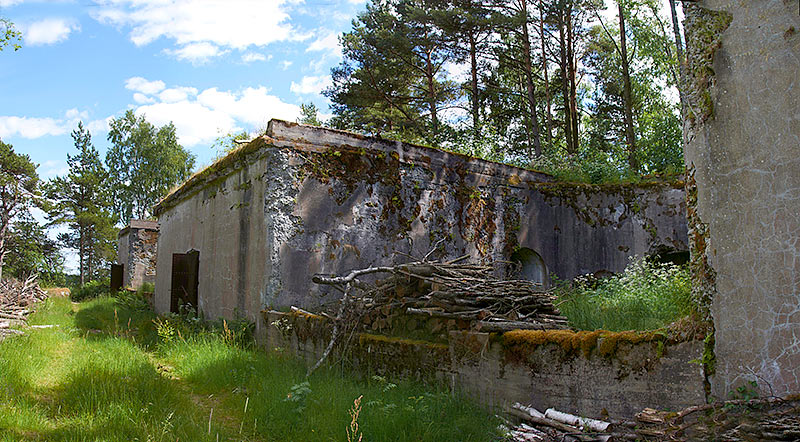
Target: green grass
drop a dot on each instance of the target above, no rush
(105, 374)
(646, 296)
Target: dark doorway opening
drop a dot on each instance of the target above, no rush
(668, 255)
(528, 265)
(185, 270)
(117, 271)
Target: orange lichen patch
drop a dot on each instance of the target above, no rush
(520, 344)
(524, 342)
(609, 342)
(306, 315)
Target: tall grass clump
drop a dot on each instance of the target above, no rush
(646, 296)
(91, 290)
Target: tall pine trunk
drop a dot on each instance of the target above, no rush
(431, 91)
(573, 90)
(528, 68)
(549, 112)
(562, 43)
(681, 62)
(82, 253)
(473, 61)
(630, 135)
(5, 221)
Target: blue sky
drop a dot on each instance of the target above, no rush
(209, 66)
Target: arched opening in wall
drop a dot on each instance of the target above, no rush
(669, 255)
(528, 265)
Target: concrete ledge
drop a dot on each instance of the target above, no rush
(641, 371)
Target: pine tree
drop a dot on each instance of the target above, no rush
(81, 201)
(19, 191)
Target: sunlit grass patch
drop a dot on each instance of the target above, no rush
(109, 372)
(646, 296)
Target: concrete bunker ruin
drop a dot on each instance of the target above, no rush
(304, 200)
(136, 255)
(301, 200)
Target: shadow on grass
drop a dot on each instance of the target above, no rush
(103, 317)
(124, 401)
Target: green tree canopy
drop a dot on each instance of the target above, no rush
(81, 200)
(144, 163)
(9, 35)
(19, 191)
(31, 251)
(554, 85)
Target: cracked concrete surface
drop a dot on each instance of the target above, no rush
(747, 163)
(305, 200)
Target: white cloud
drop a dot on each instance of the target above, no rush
(48, 31)
(328, 43)
(285, 64)
(222, 24)
(98, 126)
(36, 127)
(201, 117)
(254, 56)
(197, 53)
(53, 168)
(174, 95)
(458, 71)
(311, 85)
(140, 84)
(142, 98)
(194, 123)
(30, 127)
(7, 3)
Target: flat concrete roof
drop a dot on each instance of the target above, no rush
(284, 134)
(139, 224)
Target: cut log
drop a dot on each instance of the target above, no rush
(577, 421)
(530, 410)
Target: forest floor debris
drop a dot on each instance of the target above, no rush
(769, 419)
(16, 300)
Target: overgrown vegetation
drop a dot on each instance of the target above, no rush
(107, 372)
(559, 86)
(646, 296)
(90, 290)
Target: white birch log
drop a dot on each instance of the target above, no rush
(577, 421)
(530, 410)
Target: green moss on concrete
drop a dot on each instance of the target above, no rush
(212, 176)
(703, 28)
(519, 345)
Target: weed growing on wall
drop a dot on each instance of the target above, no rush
(646, 296)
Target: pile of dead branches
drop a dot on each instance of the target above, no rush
(467, 294)
(16, 299)
(450, 290)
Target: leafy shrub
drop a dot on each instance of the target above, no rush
(188, 324)
(91, 290)
(133, 301)
(646, 296)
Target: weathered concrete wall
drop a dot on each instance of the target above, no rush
(744, 153)
(623, 379)
(137, 252)
(227, 223)
(304, 200)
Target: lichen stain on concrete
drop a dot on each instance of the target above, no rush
(743, 151)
